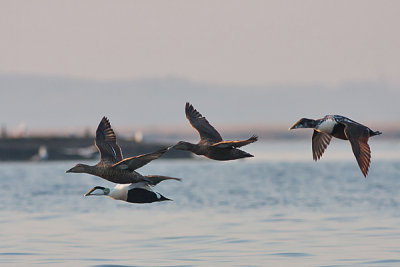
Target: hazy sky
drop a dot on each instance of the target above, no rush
(65, 64)
(226, 42)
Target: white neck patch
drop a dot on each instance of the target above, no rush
(327, 126)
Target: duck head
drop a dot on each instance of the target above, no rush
(182, 145)
(79, 168)
(304, 123)
(98, 191)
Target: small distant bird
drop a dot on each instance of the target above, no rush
(134, 193)
(342, 128)
(111, 165)
(211, 143)
(41, 155)
(84, 152)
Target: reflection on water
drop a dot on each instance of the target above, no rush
(266, 211)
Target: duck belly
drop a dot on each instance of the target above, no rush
(338, 132)
(121, 176)
(224, 154)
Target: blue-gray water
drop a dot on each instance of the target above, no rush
(277, 209)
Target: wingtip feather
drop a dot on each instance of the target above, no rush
(254, 137)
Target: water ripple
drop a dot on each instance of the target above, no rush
(292, 254)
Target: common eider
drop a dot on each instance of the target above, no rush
(211, 143)
(112, 166)
(140, 192)
(342, 128)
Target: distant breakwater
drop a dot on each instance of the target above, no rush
(72, 148)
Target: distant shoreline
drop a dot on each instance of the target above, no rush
(58, 147)
(71, 148)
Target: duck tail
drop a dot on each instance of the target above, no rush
(375, 133)
(164, 198)
(155, 179)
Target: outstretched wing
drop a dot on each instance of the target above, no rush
(320, 142)
(106, 143)
(155, 179)
(358, 137)
(206, 131)
(236, 143)
(134, 163)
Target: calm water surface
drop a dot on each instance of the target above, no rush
(277, 209)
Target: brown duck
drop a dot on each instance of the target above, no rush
(211, 143)
(112, 166)
(342, 128)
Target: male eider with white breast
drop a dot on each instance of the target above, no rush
(211, 143)
(134, 193)
(342, 128)
(112, 166)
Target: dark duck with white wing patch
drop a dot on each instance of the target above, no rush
(211, 143)
(342, 128)
(111, 165)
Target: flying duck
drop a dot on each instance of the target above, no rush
(342, 128)
(211, 143)
(140, 192)
(112, 166)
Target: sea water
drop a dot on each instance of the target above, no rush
(278, 209)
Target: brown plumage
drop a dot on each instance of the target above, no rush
(112, 166)
(320, 142)
(211, 143)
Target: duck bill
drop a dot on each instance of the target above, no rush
(294, 126)
(90, 192)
